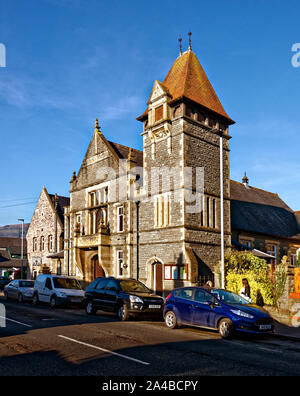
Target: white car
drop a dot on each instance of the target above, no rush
(57, 290)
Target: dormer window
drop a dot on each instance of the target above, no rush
(159, 112)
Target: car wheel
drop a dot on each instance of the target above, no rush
(90, 309)
(123, 313)
(53, 303)
(20, 298)
(226, 328)
(35, 299)
(171, 320)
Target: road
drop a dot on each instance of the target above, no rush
(38, 340)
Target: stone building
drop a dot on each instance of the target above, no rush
(45, 235)
(261, 220)
(125, 220)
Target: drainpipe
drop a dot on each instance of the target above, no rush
(137, 239)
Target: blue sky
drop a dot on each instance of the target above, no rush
(70, 61)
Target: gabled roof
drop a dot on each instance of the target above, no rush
(123, 151)
(239, 192)
(259, 211)
(61, 203)
(187, 79)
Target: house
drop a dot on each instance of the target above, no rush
(121, 224)
(45, 234)
(261, 220)
(11, 257)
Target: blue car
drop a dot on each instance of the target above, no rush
(215, 309)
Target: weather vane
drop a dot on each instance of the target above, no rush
(190, 40)
(180, 45)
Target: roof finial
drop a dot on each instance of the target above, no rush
(180, 45)
(190, 40)
(245, 180)
(97, 128)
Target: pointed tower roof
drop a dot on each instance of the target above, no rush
(187, 79)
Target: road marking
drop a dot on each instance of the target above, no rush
(104, 350)
(11, 320)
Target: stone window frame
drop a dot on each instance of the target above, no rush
(42, 243)
(247, 239)
(120, 262)
(162, 210)
(35, 244)
(120, 216)
(50, 243)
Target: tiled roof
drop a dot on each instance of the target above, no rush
(239, 192)
(187, 78)
(62, 202)
(259, 211)
(11, 243)
(123, 152)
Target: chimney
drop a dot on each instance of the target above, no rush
(246, 181)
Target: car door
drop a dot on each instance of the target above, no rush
(110, 296)
(99, 294)
(12, 290)
(47, 290)
(183, 304)
(205, 308)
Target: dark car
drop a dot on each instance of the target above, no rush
(126, 297)
(215, 309)
(4, 280)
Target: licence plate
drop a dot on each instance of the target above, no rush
(154, 306)
(265, 327)
(75, 300)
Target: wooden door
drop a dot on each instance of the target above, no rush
(158, 277)
(98, 270)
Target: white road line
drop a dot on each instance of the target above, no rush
(105, 350)
(15, 321)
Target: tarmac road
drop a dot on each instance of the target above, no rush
(38, 340)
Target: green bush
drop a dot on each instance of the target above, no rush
(239, 265)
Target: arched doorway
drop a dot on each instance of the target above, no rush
(158, 277)
(98, 271)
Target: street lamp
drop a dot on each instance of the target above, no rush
(22, 247)
(222, 210)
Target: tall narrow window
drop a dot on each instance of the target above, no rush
(42, 243)
(214, 213)
(207, 212)
(34, 244)
(120, 219)
(120, 262)
(50, 243)
(159, 111)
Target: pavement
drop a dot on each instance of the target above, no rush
(38, 340)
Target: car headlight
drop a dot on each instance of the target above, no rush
(61, 294)
(238, 312)
(135, 299)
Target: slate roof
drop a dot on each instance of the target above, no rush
(259, 211)
(123, 151)
(7, 262)
(62, 202)
(187, 79)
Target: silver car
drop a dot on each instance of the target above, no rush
(20, 289)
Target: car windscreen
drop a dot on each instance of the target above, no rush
(66, 283)
(133, 286)
(228, 297)
(26, 284)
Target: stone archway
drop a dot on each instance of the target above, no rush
(97, 269)
(154, 275)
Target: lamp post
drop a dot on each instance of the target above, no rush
(222, 210)
(22, 247)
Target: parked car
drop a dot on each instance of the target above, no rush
(215, 309)
(20, 289)
(126, 297)
(4, 280)
(57, 290)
